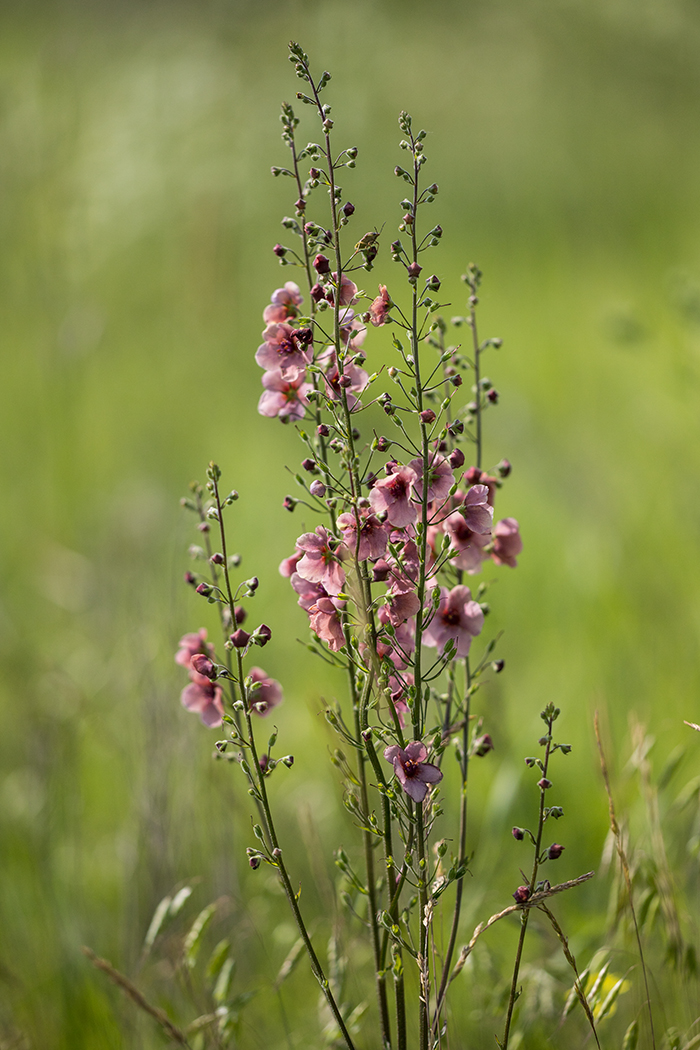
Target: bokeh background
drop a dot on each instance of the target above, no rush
(137, 219)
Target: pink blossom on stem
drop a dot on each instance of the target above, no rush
(401, 646)
(507, 543)
(352, 330)
(283, 304)
(288, 565)
(469, 545)
(190, 644)
(402, 607)
(373, 535)
(398, 687)
(440, 477)
(284, 396)
(477, 511)
(205, 698)
(320, 564)
(354, 379)
(379, 310)
(265, 694)
(392, 495)
(348, 290)
(412, 771)
(457, 617)
(309, 593)
(325, 622)
(283, 350)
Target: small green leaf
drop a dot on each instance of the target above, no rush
(193, 939)
(223, 984)
(159, 916)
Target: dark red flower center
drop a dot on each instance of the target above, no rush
(410, 768)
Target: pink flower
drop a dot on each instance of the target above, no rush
(379, 310)
(352, 331)
(284, 396)
(373, 535)
(309, 593)
(412, 771)
(348, 290)
(404, 575)
(477, 511)
(507, 543)
(457, 617)
(284, 304)
(204, 697)
(440, 477)
(284, 350)
(325, 622)
(190, 644)
(289, 564)
(354, 379)
(400, 647)
(402, 607)
(392, 495)
(398, 685)
(469, 545)
(320, 564)
(265, 694)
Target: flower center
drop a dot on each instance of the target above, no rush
(410, 768)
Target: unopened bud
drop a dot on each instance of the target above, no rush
(205, 589)
(254, 861)
(473, 475)
(414, 270)
(434, 283)
(280, 251)
(456, 458)
(493, 396)
(318, 292)
(498, 665)
(348, 209)
(518, 834)
(204, 526)
(239, 615)
(322, 430)
(504, 468)
(217, 559)
(261, 635)
(482, 745)
(190, 578)
(521, 894)
(317, 488)
(289, 503)
(309, 465)
(203, 665)
(427, 416)
(383, 444)
(252, 584)
(345, 381)
(314, 173)
(240, 638)
(321, 264)
(555, 851)
(544, 783)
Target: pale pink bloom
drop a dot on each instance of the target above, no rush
(190, 645)
(309, 593)
(379, 310)
(392, 495)
(325, 622)
(440, 477)
(412, 771)
(398, 686)
(474, 475)
(457, 617)
(283, 304)
(320, 564)
(402, 607)
(289, 564)
(284, 396)
(352, 330)
(469, 545)
(348, 290)
(373, 535)
(399, 648)
(266, 692)
(477, 511)
(355, 378)
(403, 577)
(204, 697)
(507, 543)
(283, 350)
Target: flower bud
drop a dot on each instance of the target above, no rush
(261, 635)
(414, 270)
(322, 265)
(434, 283)
(518, 834)
(314, 173)
(190, 578)
(456, 458)
(348, 209)
(300, 206)
(498, 665)
(380, 571)
(322, 430)
(205, 589)
(317, 488)
(345, 381)
(254, 861)
(240, 638)
(555, 851)
(521, 894)
(239, 614)
(280, 251)
(456, 379)
(204, 526)
(309, 465)
(544, 783)
(504, 468)
(318, 292)
(427, 416)
(289, 503)
(473, 475)
(493, 396)
(482, 745)
(203, 665)
(217, 559)
(252, 584)
(383, 444)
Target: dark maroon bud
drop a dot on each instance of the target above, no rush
(493, 396)
(264, 762)
(437, 231)
(498, 665)
(473, 475)
(279, 251)
(289, 503)
(482, 745)
(217, 559)
(396, 246)
(348, 209)
(456, 458)
(518, 834)
(190, 578)
(427, 416)
(318, 292)
(456, 427)
(314, 173)
(442, 446)
(414, 270)
(204, 526)
(544, 783)
(309, 228)
(355, 434)
(380, 571)
(322, 430)
(240, 638)
(300, 205)
(205, 589)
(203, 665)
(304, 336)
(555, 851)
(383, 444)
(345, 381)
(262, 635)
(321, 264)
(239, 615)
(254, 862)
(434, 283)
(252, 584)
(309, 465)
(390, 467)
(530, 762)
(504, 468)
(367, 734)
(456, 379)
(521, 894)
(408, 219)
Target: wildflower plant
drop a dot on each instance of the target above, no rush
(404, 521)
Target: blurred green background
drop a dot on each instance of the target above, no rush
(136, 225)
